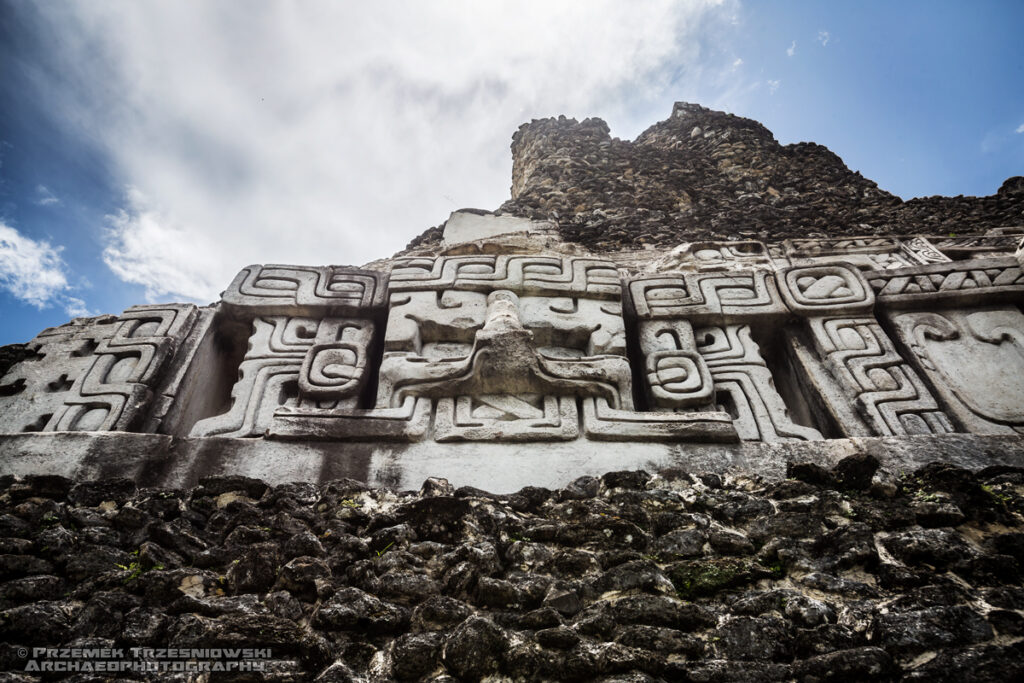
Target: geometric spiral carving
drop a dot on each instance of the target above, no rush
(115, 392)
(888, 392)
(314, 291)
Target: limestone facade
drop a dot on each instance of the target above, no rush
(517, 339)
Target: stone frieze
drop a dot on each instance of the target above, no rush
(800, 340)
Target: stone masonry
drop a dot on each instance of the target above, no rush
(825, 383)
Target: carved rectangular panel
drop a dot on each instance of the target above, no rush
(740, 373)
(97, 374)
(449, 343)
(826, 289)
(887, 392)
(840, 246)
(313, 291)
(959, 283)
(920, 250)
(601, 422)
(974, 360)
(34, 390)
(674, 374)
(706, 297)
(871, 252)
(710, 256)
(287, 356)
(114, 393)
(506, 418)
(978, 245)
(540, 275)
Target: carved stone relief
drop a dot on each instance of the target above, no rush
(706, 297)
(867, 253)
(304, 291)
(841, 247)
(738, 370)
(887, 392)
(602, 422)
(526, 417)
(826, 289)
(494, 347)
(991, 245)
(98, 375)
(267, 378)
(35, 389)
(538, 347)
(959, 283)
(975, 361)
(716, 256)
(526, 275)
(571, 347)
(920, 250)
(686, 368)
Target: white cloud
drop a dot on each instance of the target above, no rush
(30, 270)
(45, 197)
(737, 64)
(148, 247)
(823, 38)
(333, 132)
(773, 86)
(76, 308)
(1020, 129)
(33, 271)
(791, 50)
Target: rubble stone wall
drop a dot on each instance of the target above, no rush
(846, 574)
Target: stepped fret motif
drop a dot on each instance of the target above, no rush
(741, 374)
(541, 275)
(304, 290)
(890, 395)
(710, 297)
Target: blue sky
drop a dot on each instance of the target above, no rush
(150, 150)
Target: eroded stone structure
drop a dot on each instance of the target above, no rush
(504, 348)
(701, 302)
(713, 343)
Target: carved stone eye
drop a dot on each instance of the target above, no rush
(677, 373)
(333, 370)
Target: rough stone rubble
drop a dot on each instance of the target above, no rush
(707, 175)
(834, 575)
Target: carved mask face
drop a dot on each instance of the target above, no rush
(452, 342)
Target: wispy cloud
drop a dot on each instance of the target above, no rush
(791, 50)
(824, 37)
(33, 272)
(326, 132)
(773, 86)
(147, 246)
(45, 197)
(1020, 129)
(76, 308)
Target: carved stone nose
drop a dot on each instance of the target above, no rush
(502, 311)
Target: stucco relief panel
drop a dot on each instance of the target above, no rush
(975, 360)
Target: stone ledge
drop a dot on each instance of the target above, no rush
(159, 460)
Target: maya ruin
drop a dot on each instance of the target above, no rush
(668, 401)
